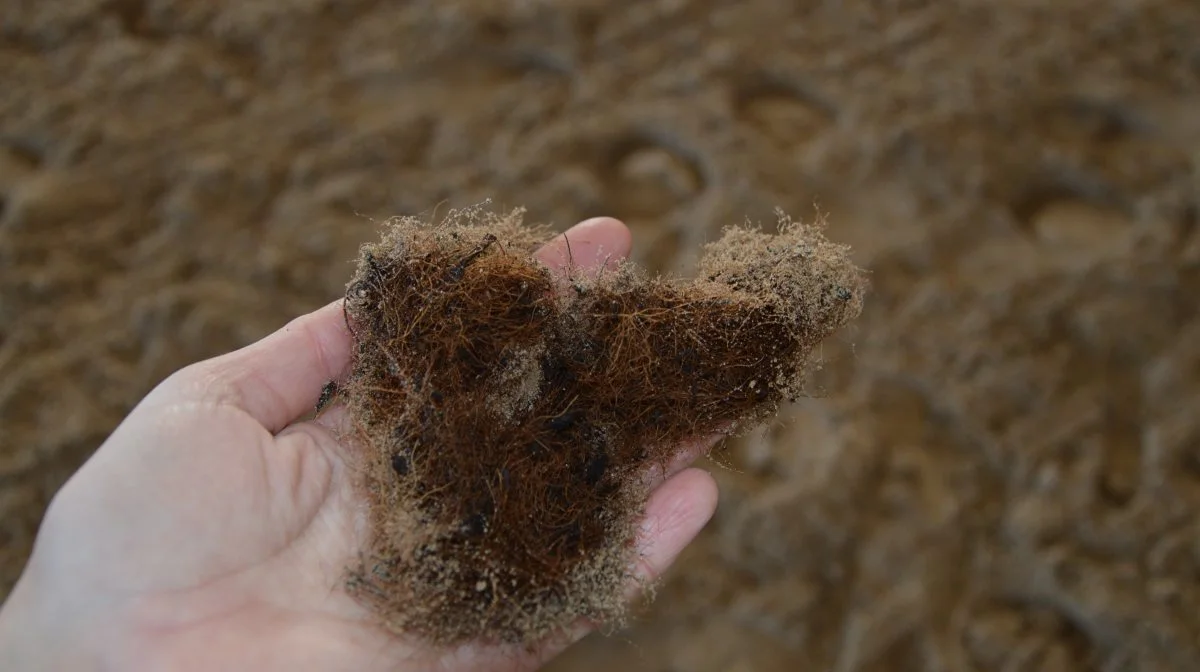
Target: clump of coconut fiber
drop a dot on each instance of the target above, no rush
(506, 422)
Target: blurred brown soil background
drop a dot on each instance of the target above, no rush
(1001, 467)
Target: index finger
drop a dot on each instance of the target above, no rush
(279, 378)
(592, 246)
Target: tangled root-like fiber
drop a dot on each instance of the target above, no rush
(505, 422)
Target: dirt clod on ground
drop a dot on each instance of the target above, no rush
(507, 423)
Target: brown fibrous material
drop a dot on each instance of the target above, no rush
(505, 416)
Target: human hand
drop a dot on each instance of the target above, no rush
(212, 529)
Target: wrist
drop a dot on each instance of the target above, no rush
(37, 635)
(24, 642)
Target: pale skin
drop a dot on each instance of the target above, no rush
(212, 529)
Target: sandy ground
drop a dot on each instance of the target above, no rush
(1000, 467)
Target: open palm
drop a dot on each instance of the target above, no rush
(212, 529)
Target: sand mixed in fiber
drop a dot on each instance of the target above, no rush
(507, 420)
